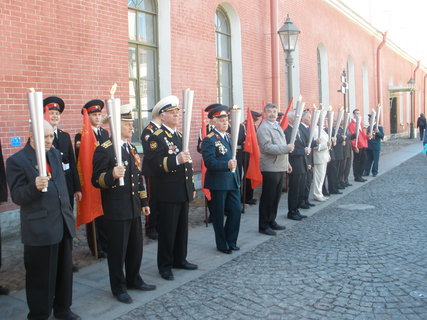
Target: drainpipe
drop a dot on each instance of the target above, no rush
(415, 93)
(425, 110)
(275, 65)
(379, 75)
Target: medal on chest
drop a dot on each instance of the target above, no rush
(172, 148)
(221, 148)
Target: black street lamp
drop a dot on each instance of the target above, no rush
(411, 84)
(289, 36)
(344, 88)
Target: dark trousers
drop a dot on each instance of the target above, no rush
(226, 200)
(332, 174)
(172, 226)
(295, 191)
(124, 250)
(372, 159)
(101, 236)
(345, 170)
(307, 185)
(272, 184)
(359, 162)
(151, 219)
(49, 278)
(421, 132)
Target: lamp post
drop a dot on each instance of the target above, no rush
(344, 88)
(411, 84)
(289, 36)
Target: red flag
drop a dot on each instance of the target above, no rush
(207, 192)
(46, 114)
(251, 146)
(284, 123)
(90, 206)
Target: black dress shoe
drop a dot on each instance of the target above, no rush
(336, 192)
(186, 266)
(374, 175)
(360, 180)
(75, 268)
(226, 251)
(102, 254)
(234, 248)
(123, 298)
(294, 216)
(143, 287)
(348, 184)
(251, 202)
(326, 194)
(167, 275)
(68, 315)
(4, 291)
(310, 204)
(268, 231)
(305, 206)
(276, 226)
(340, 187)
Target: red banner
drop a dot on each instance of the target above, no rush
(284, 123)
(90, 206)
(251, 146)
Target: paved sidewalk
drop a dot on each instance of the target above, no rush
(92, 296)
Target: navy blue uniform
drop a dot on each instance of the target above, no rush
(225, 190)
(373, 153)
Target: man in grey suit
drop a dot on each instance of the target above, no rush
(273, 164)
(47, 229)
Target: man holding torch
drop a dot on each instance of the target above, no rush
(359, 143)
(47, 225)
(174, 190)
(122, 206)
(223, 181)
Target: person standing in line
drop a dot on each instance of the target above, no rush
(148, 171)
(321, 157)
(174, 173)
(421, 125)
(122, 206)
(3, 198)
(374, 149)
(299, 171)
(94, 110)
(222, 179)
(273, 164)
(359, 147)
(47, 229)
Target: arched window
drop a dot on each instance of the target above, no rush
(319, 76)
(223, 58)
(322, 75)
(143, 47)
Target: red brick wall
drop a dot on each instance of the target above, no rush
(78, 49)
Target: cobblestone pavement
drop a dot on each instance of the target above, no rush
(364, 257)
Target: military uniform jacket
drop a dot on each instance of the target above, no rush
(63, 143)
(101, 138)
(119, 202)
(297, 157)
(43, 214)
(147, 170)
(175, 182)
(216, 153)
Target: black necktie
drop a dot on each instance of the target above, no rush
(125, 146)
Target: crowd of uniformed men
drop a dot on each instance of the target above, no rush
(161, 187)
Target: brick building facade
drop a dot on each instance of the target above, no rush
(78, 49)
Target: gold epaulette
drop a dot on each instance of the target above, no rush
(211, 134)
(106, 144)
(158, 131)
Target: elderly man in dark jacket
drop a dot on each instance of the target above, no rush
(47, 228)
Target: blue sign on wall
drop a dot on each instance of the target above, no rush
(15, 141)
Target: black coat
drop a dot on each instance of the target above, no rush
(101, 138)
(118, 202)
(43, 214)
(3, 185)
(175, 182)
(297, 157)
(305, 133)
(147, 170)
(62, 142)
(339, 148)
